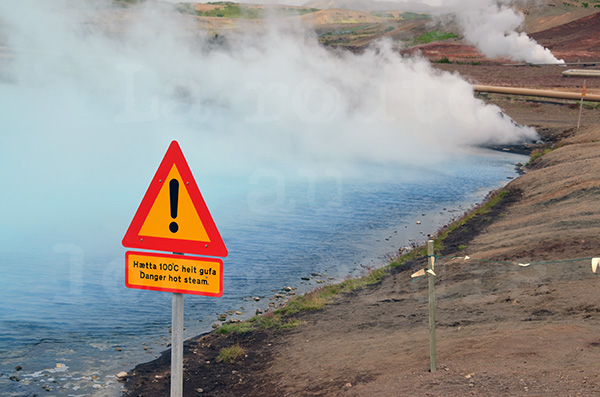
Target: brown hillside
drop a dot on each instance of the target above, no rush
(579, 38)
(339, 16)
(540, 17)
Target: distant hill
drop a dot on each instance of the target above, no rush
(370, 5)
(580, 35)
(338, 16)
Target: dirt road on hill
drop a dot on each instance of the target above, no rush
(503, 329)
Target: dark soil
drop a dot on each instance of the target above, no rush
(203, 371)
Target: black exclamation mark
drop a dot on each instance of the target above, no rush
(174, 193)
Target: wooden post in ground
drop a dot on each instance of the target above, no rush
(431, 280)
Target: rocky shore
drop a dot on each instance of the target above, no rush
(503, 329)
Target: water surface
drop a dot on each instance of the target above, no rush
(67, 319)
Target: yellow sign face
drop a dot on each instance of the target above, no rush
(173, 214)
(174, 273)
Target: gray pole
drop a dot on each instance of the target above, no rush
(177, 346)
(431, 281)
(580, 110)
(583, 93)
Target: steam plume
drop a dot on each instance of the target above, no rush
(94, 91)
(492, 26)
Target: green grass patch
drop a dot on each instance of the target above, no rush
(235, 328)
(591, 106)
(311, 301)
(318, 298)
(290, 324)
(433, 35)
(536, 154)
(371, 278)
(266, 321)
(415, 253)
(382, 14)
(413, 15)
(231, 354)
(258, 322)
(232, 10)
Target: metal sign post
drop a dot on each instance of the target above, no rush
(177, 346)
(583, 94)
(174, 217)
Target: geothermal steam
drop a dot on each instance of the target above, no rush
(492, 26)
(94, 94)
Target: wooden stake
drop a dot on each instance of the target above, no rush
(431, 281)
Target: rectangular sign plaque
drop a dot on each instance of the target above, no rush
(174, 273)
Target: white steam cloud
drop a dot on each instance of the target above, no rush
(491, 25)
(90, 93)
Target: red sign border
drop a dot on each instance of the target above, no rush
(170, 256)
(133, 239)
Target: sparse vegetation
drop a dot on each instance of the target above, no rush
(311, 301)
(537, 154)
(433, 35)
(231, 354)
(402, 16)
(591, 106)
(318, 298)
(235, 328)
(382, 14)
(482, 209)
(259, 322)
(228, 9)
(413, 15)
(267, 321)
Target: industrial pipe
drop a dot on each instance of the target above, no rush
(532, 92)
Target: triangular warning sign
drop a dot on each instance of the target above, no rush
(173, 215)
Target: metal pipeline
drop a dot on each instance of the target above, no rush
(532, 92)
